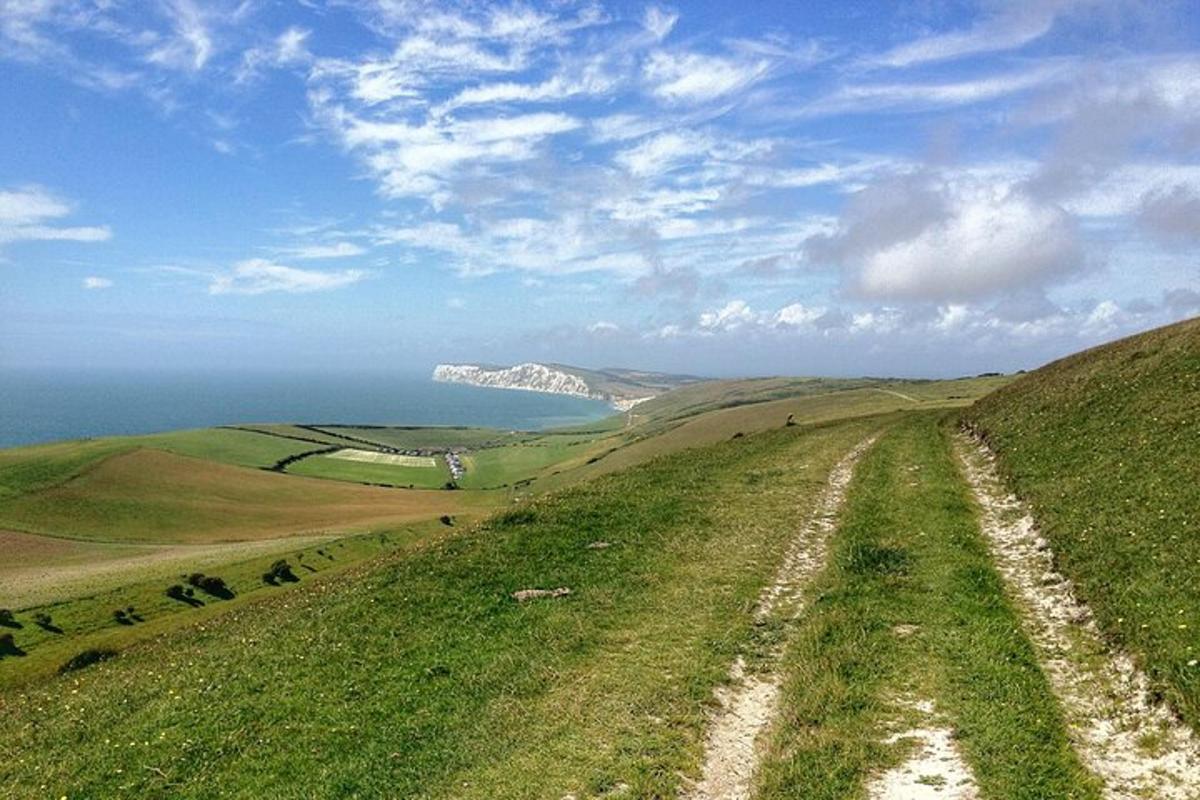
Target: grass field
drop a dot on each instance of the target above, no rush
(388, 459)
(39, 570)
(227, 446)
(417, 438)
(454, 689)
(1104, 446)
(411, 660)
(659, 436)
(150, 496)
(87, 621)
(499, 466)
(420, 477)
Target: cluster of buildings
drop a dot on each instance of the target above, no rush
(455, 464)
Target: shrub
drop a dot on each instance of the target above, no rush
(213, 585)
(280, 571)
(6, 617)
(86, 659)
(43, 619)
(119, 615)
(447, 519)
(8, 646)
(176, 592)
(195, 579)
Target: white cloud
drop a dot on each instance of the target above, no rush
(949, 237)
(694, 77)
(660, 153)
(991, 240)
(260, 276)
(1015, 25)
(93, 282)
(798, 315)
(25, 214)
(659, 22)
(190, 44)
(288, 48)
(869, 97)
(603, 327)
(731, 316)
(331, 250)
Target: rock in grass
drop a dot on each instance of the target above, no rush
(522, 595)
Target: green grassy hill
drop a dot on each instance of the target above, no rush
(401, 664)
(1105, 445)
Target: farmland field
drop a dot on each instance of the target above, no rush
(390, 459)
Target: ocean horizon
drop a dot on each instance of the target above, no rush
(39, 406)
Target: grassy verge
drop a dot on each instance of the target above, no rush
(1103, 445)
(911, 607)
(422, 677)
(88, 622)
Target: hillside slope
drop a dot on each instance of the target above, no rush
(1105, 445)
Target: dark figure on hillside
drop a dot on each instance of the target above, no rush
(791, 420)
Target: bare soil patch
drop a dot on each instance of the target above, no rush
(934, 769)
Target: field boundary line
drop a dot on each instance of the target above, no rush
(1137, 748)
(749, 704)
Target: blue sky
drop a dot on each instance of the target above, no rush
(753, 188)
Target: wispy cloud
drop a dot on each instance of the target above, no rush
(1013, 25)
(94, 282)
(869, 97)
(325, 250)
(695, 77)
(26, 214)
(260, 276)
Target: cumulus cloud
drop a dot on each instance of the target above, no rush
(1173, 214)
(918, 238)
(260, 276)
(731, 316)
(27, 214)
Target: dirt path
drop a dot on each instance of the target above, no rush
(749, 703)
(901, 395)
(1137, 749)
(934, 769)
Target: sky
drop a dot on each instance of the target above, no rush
(854, 188)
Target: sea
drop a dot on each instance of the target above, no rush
(49, 405)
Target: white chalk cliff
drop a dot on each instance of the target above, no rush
(528, 377)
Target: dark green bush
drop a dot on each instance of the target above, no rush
(86, 659)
